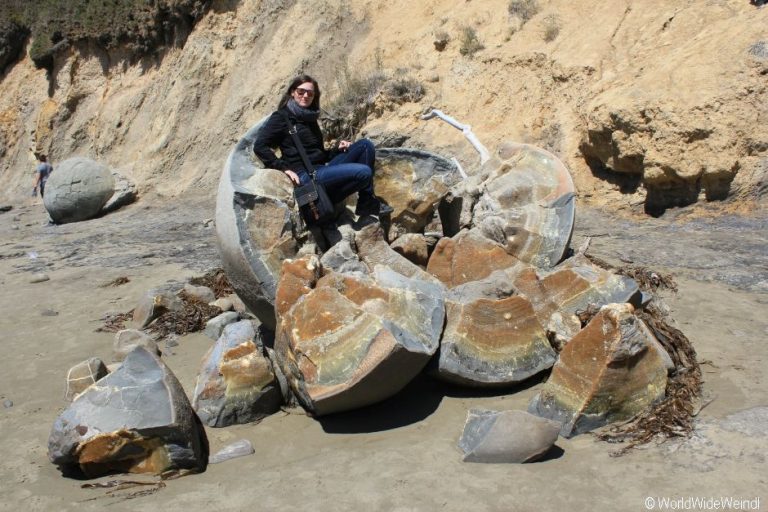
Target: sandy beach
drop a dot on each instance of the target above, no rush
(399, 455)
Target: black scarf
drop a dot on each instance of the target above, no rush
(303, 114)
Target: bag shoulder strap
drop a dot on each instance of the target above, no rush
(293, 132)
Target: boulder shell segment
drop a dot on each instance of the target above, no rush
(349, 340)
(610, 371)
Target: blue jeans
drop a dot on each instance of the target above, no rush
(347, 173)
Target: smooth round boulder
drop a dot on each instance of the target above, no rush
(77, 190)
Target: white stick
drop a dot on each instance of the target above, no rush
(465, 129)
(458, 166)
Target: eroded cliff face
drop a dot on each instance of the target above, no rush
(650, 104)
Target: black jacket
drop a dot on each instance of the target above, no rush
(274, 134)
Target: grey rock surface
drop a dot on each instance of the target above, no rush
(506, 436)
(137, 419)
(77, 190)
(128, 339)
(215, 326)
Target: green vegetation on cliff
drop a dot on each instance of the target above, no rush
(140, 26)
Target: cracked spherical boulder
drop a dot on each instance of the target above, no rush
(137, 419)
(258, 227)
(77, 190)
(610, 371)
(236, 383)
(345, 341)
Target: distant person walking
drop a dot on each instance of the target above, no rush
(44, 169)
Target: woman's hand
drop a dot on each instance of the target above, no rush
(344, 145)
(294, 177)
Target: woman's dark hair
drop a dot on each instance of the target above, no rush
(301, 79)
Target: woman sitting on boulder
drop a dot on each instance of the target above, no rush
(346, 169)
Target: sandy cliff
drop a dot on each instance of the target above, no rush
(651, 104)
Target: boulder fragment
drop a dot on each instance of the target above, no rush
(236, 383)
(492, 342)
(239, 448)
(506, 436)
(349, 340)
(414, 247)
(125, 193)
(82, 375)
(610, 371)
(77, 190)
(136, 420)
(128, 339)
(527, 205)
(468, 256)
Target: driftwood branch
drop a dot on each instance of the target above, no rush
(465, 129)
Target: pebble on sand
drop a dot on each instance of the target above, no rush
(39, 278)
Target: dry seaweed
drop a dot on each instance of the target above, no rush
(116, 282)
(216, 280)
(674, 415)
(192, 317)
(646, 279)
(114, 322)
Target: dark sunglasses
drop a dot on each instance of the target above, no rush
(304, 92)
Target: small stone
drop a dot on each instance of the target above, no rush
(215, 326)
(237, 304)
(49, 312)
(201, 293)
(7, 404)
(39, 278)
(224, 304)
(239, 448)
(207, 223)
(152, 305)
(82, 375)
(128, 339)
(506, 436)
(15, 228)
